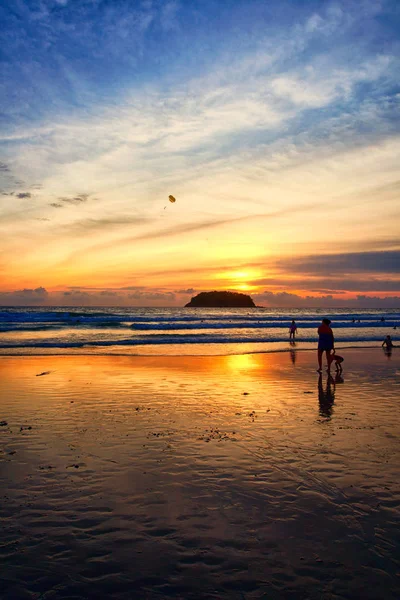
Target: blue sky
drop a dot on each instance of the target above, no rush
(275, 124)
(62, 55)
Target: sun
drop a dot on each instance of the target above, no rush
(240, 279)
(240, 275)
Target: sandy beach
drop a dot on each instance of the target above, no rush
(234, 477)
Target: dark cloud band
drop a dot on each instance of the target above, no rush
(387, 261)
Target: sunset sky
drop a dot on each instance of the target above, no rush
(274, 123)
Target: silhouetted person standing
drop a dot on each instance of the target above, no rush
(388, 343)
(326, 343)
(292, 330)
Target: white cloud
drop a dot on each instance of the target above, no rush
(173, 135)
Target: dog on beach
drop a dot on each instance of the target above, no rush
(337, 360)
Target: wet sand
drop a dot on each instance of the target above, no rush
(199, 477)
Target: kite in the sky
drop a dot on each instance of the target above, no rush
(171, 199)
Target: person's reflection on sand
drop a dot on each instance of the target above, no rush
(326, 397)
(338, 378)
(293, 352)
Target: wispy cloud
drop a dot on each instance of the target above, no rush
(160, 233)
(105, 223)
(78, 199)
(63, 201)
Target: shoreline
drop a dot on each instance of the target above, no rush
(78, 351)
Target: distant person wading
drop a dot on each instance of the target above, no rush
(326, 343)
(292, 330)
(388, 343)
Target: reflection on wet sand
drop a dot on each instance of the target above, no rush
(215, 477)
(326, 396)
(339, 378)
(292, 352)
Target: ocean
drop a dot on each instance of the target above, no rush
(184, 331)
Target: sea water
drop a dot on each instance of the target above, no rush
(177, 331)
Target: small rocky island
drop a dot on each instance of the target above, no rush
(221, 300)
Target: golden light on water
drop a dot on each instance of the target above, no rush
(244, 362)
